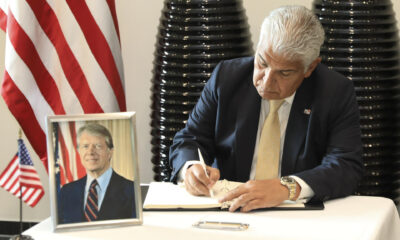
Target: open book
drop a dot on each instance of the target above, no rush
(169, 196)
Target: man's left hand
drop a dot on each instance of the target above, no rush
(256, 194)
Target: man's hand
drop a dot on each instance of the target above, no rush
(196, 181)
(257, 194)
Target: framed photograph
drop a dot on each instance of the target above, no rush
(93, 170)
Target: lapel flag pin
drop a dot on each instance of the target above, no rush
(307, 111)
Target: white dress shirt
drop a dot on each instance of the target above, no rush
(102, 184)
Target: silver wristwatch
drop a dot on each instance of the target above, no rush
(290, 183)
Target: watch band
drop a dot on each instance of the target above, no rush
(290, 183)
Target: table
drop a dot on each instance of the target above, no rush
(353, 217)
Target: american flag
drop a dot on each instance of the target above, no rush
(68, 160)
(61, 57)
(20, 176)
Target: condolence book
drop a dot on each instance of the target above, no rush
(169, 196)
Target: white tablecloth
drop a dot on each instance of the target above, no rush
(354, 217)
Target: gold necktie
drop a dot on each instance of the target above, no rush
(269, 146)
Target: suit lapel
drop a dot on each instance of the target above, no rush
(297, 126)
(112, 192)
(247, 125)
(80, 191)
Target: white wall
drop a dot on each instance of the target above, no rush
(138, 21)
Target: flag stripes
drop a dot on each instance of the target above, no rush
(8, 177)
(3, 20)
(75, 38)
(62, 57)
(23, 112)
(96, 39)
(26, 50)
(78, 91)
(80, 170)
(3, 15)
(69, 161)
(64, 160)
(103, 13)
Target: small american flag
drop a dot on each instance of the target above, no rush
(20, 173)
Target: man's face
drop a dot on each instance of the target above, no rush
(276, 77)
(94, 153)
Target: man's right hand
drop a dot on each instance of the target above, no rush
(197, 182)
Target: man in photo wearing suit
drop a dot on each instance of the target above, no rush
(280, 121)
(102, 194)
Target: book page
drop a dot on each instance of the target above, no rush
(166, 195)
(291, 204)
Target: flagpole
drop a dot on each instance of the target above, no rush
(21, 228)
(20, 198)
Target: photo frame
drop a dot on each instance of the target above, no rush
(87, 147)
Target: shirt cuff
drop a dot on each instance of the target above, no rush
(306, 193)
(182, 172)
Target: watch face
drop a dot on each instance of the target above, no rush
(288, 179)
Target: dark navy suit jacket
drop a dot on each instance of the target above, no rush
(323, 147)
(118, 202)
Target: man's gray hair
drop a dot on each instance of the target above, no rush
(96, 129)
(293, 32)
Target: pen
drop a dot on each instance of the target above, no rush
(203, 164)
(221, 225)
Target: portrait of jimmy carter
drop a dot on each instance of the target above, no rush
(102, 194)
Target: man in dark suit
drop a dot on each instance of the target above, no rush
(102, 194)
(319, 148)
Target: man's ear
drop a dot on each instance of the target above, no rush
(312, 66)
(111, 151)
